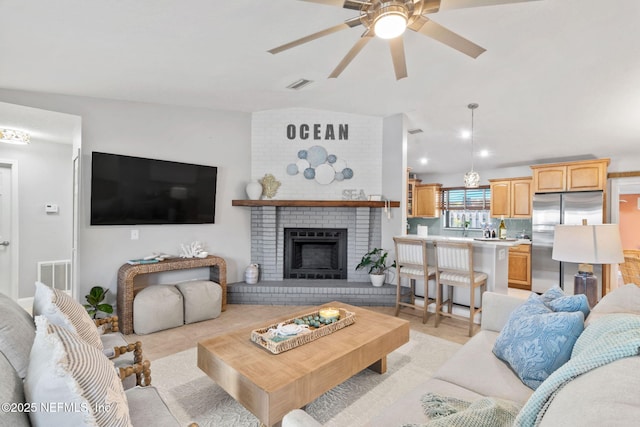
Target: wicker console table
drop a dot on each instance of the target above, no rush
(128, 272)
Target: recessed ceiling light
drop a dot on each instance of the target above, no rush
(484, 153)
(299, 84)
(424, 161)
(465, 134)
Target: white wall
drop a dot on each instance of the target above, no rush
(393, 176)
(192, 135)
(272, 151)
(43, 236)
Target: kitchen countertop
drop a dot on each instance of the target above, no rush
(477, 241)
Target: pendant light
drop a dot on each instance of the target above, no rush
(472, 178)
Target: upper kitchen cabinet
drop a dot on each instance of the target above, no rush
(411, 196)
(425, 200)
(584, 175)
(511, 197)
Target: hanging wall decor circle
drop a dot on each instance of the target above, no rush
(315, 163)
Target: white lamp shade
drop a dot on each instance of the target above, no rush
(592, 244)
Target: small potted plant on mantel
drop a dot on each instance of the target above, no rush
(376, 261)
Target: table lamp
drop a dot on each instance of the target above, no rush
(587, 244)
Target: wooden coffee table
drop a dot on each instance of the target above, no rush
(270, 385)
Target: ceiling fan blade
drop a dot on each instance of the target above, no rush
(397, 55)
(350, 23)
(346, 4)
(362, 42)
(437, 32)
(461, 4)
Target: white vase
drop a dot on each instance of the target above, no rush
(377, 280)
(254, 190)
(251, 274)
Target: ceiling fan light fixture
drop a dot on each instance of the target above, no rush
(12, 136)
(390, 21)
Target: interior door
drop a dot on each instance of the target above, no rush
(6, 286)
(622, 188)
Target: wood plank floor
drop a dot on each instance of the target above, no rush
(170, 341)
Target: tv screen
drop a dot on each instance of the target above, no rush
(129, 190)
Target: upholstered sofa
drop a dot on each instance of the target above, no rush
(38, 360)
(608, 395)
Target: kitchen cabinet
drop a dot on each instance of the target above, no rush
(425, 200)
(411, 188)
(520, 267)
(511, 197)
(586, 175)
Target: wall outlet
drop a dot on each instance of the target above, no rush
(134, 235)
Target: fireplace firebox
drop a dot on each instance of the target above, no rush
(315, 253)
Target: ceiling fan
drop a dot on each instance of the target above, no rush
(389, 19)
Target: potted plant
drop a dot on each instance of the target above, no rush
(94, 298)
(376, 262)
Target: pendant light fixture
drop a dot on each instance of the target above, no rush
(472, 178)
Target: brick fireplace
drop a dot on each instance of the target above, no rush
(268, 224)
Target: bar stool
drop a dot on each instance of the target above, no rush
(454, 267)
(411, 261)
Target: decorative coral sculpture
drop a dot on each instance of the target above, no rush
(270, 185)
(193, 250)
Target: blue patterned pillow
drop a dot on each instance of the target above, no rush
(556, 300)
(552, 293)
(571, 303)
(536, 340)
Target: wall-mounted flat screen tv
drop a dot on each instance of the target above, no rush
(129, 190)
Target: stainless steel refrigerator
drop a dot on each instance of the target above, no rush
(550, 209)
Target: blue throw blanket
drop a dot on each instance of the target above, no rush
(606, 340)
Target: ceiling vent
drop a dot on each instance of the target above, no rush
(414, 131)
(299, 84)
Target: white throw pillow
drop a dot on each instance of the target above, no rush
(625, 299)
(71, 382)
(62, 310)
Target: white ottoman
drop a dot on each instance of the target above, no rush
(157, 307)
(202, 300)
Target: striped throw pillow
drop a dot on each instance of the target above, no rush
(71, 382)
(62, 310)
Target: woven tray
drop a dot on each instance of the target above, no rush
(261, 336)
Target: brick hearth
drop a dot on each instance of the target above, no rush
(267, 234)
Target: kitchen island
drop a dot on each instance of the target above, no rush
(490, 256)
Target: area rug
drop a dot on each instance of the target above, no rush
(194, 397)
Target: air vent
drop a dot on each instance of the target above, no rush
(299, 84)
(414, 131)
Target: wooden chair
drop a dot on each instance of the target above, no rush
(454, 268)
(411, 261)
(630, 269)
(115, 346)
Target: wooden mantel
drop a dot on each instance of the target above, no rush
(316, 203)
